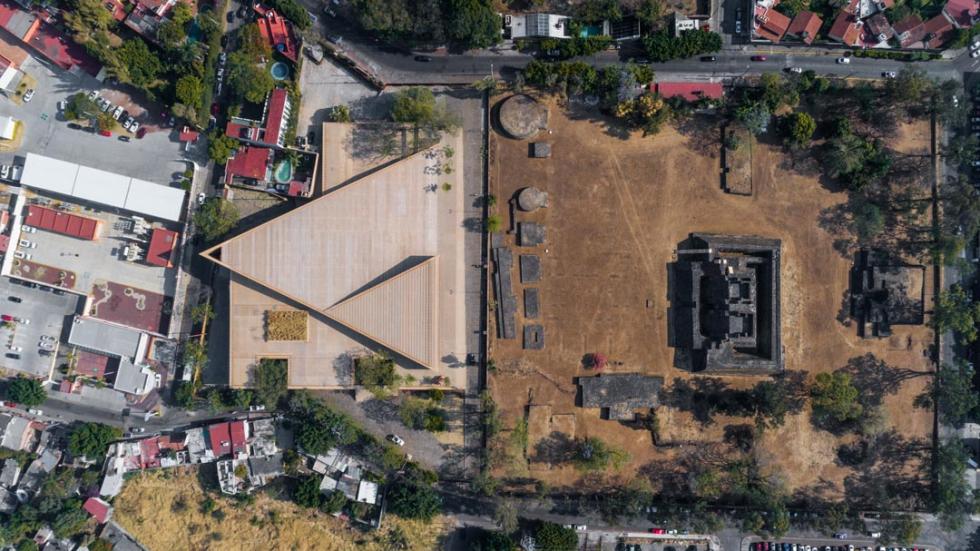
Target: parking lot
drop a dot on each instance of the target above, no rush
(812, 545)
(152, 158)
(102, 259)
(44, 313)
(326, 85)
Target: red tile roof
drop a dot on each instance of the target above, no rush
(846, 29)
(240, 131)
(163, 242)
(248, 162)
(61, 222)
(805, 26)
(909, 30)
(4, 243)
(187, 135)
(91, 364)
(938, 31)
(273, 119)
(690, 91)
(277, 32)
(99, 509)
(220, 439)
(772, 24)
(237, 430)
(150, 452)
(962, 12)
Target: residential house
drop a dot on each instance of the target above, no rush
(272, 131)
(683, 23)
(100, 510)
(277, 32)
(846, 29)
(147, 16)
(770, 24)
(909, 31)
(536, 25)
(248, 166)
(10, 474)
(879, 28)
(938, 31)
(17, 433)
(804, 27)
(961, 12)
(689, 91)
(38, 470)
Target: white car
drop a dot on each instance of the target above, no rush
(259, 407)
(35, 411)
(118, 112)
(975, 53)
(22, 255)
(46, 345)
(14, 348)
(28, 229)
(843, 60)
(47, 338)
(29, 95)
(15, 172)
(105, 105)
(201, 197)
(396, 440)
(24, 321)
(93, 94)
(796, 70)
(889, 74)
(62, 105)
(134, 127)
(27, 244)
(975, 46)
(127, 122)
(4, 171)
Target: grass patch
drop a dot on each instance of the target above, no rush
(286, 325)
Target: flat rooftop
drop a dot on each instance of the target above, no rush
(377, 264)
(107, 338)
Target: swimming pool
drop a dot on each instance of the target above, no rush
(279, 70)
(283, 172)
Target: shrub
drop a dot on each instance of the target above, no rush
(29, 392)
(270, 381)
(91, 440)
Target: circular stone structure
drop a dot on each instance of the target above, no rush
(531, 199)
(522, 117)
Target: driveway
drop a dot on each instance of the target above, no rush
(47, 133)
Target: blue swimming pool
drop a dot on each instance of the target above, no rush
(279, 70)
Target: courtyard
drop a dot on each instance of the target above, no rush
(618, 210)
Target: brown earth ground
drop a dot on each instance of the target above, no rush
(618, 209)
(146, 509)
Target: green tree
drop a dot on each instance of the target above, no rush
(417, 106)
(754, 116)
(910, 86)
(333, 503)
(81, 107)
(307, 492)
(270, 380)
(339, 113)
(375, 372)
(252, 45)
(779, 521)
(835, 399)
(221, 148)
(318, 428)
(869, 221)
(650, 12)
(91, 440)
(414, 500)
(171, 34)
(216, 217)
(954, 500)
(489, 540)
(142, 66)
(26, 545)
(901, 529)
(291, 10)
(800, 128)
(595, 455)
(663, 46)
(955, 311)
(473, 23)
(70, 521)
(555, 537)
(248, 80)
(953, 386)
(242, 398)
(100, 545)
(202, 312)
(29, 392)
(189, 90)
(105, 122)
(184, 394)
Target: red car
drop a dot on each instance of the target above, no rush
(5, 317)
(105, 133)
(140, 133)
(657, 531)
(758, 58)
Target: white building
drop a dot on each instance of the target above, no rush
(537, 25)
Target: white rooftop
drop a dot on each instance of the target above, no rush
(108, 338)
(106, 188)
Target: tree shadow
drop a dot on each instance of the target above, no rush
(580, 111)
(893, 475)
(874, 378)
(703, 133)
(556, 448)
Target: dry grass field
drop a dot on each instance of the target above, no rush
(618, 209)
(162, 510)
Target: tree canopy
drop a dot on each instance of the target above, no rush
(835, 399)
(91, 440)
(29, 392)
(472, 23)
(247, 79)
(413, 499)
(800, 127)
(418, 106)
(663, 46)
(216, 217)
(955, 311)
(555, 537)
(142, 67)
(317, 427)
(189, 90)
(595, 455)
(270, 381)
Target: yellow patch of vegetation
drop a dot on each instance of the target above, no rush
(162, 510)
(285, 325)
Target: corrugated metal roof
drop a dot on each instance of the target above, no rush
(106, 188)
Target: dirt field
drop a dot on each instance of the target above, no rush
(146, 509)
(618, 209)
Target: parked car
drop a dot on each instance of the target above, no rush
(709, 58)
(62, 105)
(45, 345)
(758, 58)
(14, 348)
(657, 531)
(15, 172)
(975, 53)
(35, 411)
(24, 321)
(13, 356)
(12, 298)
(259, 407)
(27, 244)
(47, 338)
(124, 138)
(231, 17)
(201, 197)
(74, 126)
(28, 229)
(889, 74)
(975, 45)
(22, 255)
(795, 70)
(105, 105)
(843, 60)
(423, 58)
(140, 133)
(118, 112)
(841, 535)
(6, 317)
(4, 171)
(105, 133)
(29, 95)
(93, 94)
(396, 440)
